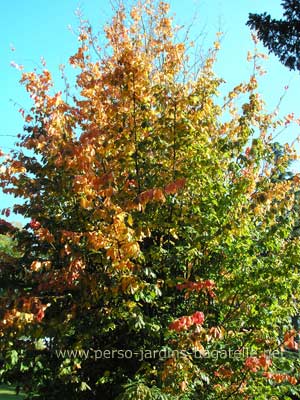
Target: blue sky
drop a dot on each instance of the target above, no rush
(40, 28)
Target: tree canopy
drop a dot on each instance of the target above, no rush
(159, 261)
(281, 37)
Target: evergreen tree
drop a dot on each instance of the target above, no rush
(281, 37)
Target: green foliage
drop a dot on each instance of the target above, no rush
(7, 245)
(138, 390)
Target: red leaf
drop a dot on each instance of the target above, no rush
(175, 186)
(6, 227)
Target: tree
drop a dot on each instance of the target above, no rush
(281, 37)
(159, 261)
(6, 245)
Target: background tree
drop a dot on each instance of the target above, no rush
(282, 36)
(158, 222)
(6, 245)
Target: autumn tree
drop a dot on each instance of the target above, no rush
(158, 262)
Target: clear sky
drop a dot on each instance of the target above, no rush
(41, 28)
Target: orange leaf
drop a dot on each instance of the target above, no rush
(175, 186)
